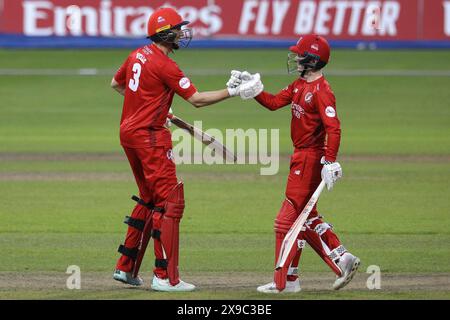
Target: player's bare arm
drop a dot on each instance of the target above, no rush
(118, 87)
(203, 99)
(252, 87)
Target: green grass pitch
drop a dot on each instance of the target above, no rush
(65, 184)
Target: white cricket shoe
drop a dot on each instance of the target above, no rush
(291, 287)
(127, 278)
(164, 285)
(349, 265)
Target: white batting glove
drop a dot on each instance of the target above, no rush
(234, 82)
(251, 88)
(246, 76)
(331, 172)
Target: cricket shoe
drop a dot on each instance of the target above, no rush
(127, 278)
(349, 264)
(159, 284)
(291, 287)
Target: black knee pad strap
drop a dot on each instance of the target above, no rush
(129, 252)
(161, 263)
(135, 223)
(156, 234)
(148, 205)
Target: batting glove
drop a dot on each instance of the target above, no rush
(331, 172)
(251, 88)
(234, 82)
(246, 76)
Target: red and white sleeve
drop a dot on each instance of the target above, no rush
(121, 74)
(275, 102)
(175, 79)
(326, 103)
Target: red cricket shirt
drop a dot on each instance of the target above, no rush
(314, 116)
(151, 79)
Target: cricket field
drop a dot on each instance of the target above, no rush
(65, 184)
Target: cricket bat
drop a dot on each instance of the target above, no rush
(206, 139)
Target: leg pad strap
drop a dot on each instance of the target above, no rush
(156, 234)
(129, 252)
(337, 253)
(135, 223)
(321, 228)
(161, 263)
(292, 271)
(148, 205)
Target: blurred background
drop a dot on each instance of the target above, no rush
(65, 184)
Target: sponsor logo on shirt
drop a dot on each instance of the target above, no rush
(297, 110)
(330, 112)
(184, 83)
(308, 97)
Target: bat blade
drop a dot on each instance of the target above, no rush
(293, 232)
(205, 138)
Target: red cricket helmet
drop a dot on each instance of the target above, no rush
(311, 51)
(161, 25)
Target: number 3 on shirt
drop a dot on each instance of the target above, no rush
(134, 83)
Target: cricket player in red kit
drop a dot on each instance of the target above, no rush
(148, 80)
(316, 135)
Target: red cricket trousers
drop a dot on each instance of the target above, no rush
(304, 177)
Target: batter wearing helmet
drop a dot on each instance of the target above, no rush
(316, 135)
(148, 79)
